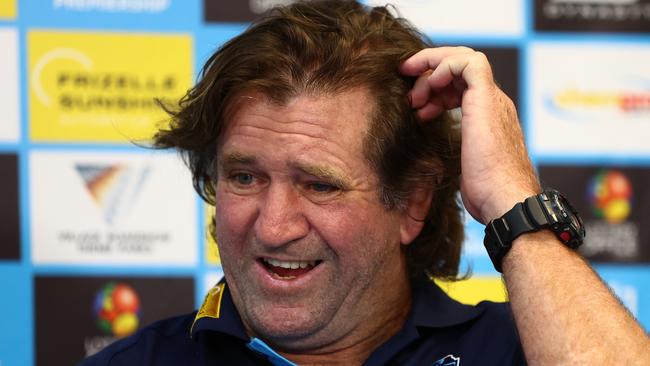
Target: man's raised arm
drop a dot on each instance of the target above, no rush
(564, 313)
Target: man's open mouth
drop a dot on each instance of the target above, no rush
(288, 270)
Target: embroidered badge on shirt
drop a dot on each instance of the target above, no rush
(448, 360)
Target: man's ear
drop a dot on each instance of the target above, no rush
(415, 213)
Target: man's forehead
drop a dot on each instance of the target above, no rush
(253, 98)
(344, 116)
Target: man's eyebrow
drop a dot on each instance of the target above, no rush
(337, 178)
(237, 157)
(326, 173)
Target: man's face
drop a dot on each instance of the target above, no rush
(310, 254)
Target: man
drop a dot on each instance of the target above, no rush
(323, 136)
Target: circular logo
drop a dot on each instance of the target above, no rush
(610, 194)
(117, 309)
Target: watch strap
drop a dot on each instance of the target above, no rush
(548, 209)
(524, 217)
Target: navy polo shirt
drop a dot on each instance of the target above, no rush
(438, 331)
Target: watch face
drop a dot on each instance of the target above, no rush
(570, 224)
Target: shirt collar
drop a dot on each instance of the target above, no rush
(218, 314)
(433, 308)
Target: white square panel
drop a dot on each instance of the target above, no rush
(112, 208)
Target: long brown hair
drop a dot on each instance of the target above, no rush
(326, 47)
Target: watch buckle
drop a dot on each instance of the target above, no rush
(502, 232)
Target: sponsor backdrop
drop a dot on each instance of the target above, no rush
(99, 236)
(101, 310)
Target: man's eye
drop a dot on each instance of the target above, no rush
(323, 187)
(244, 183)
(243, 179)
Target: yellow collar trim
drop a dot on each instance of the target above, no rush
(211, 307)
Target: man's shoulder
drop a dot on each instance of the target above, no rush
(493, 335)
(494, 322)
(496, 311)
(481, 334)
(164, 342)
(498, 317)
(434, 308)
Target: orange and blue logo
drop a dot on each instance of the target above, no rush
(117, 309)
(610, 194)
(627, 101)
(587, 104)
(113, 187)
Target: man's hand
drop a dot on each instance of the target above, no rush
(496, 170)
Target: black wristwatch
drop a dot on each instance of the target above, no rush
(547, 210)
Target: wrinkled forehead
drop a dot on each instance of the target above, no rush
(349, 112)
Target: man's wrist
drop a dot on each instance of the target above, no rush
(544, 211)
(532, 244)
(504, 202)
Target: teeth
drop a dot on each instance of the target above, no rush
(290, 265)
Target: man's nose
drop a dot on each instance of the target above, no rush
(281, 219)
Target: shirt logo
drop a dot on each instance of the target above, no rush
(448, 360)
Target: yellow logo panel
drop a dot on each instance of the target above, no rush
(211, 249)
(476, 289)
(100, 87)
(8, 9)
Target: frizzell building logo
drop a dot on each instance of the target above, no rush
(103, 86)
(593, 15)
(615, 211)
(114, 188)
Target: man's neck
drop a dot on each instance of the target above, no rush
(361, 343)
